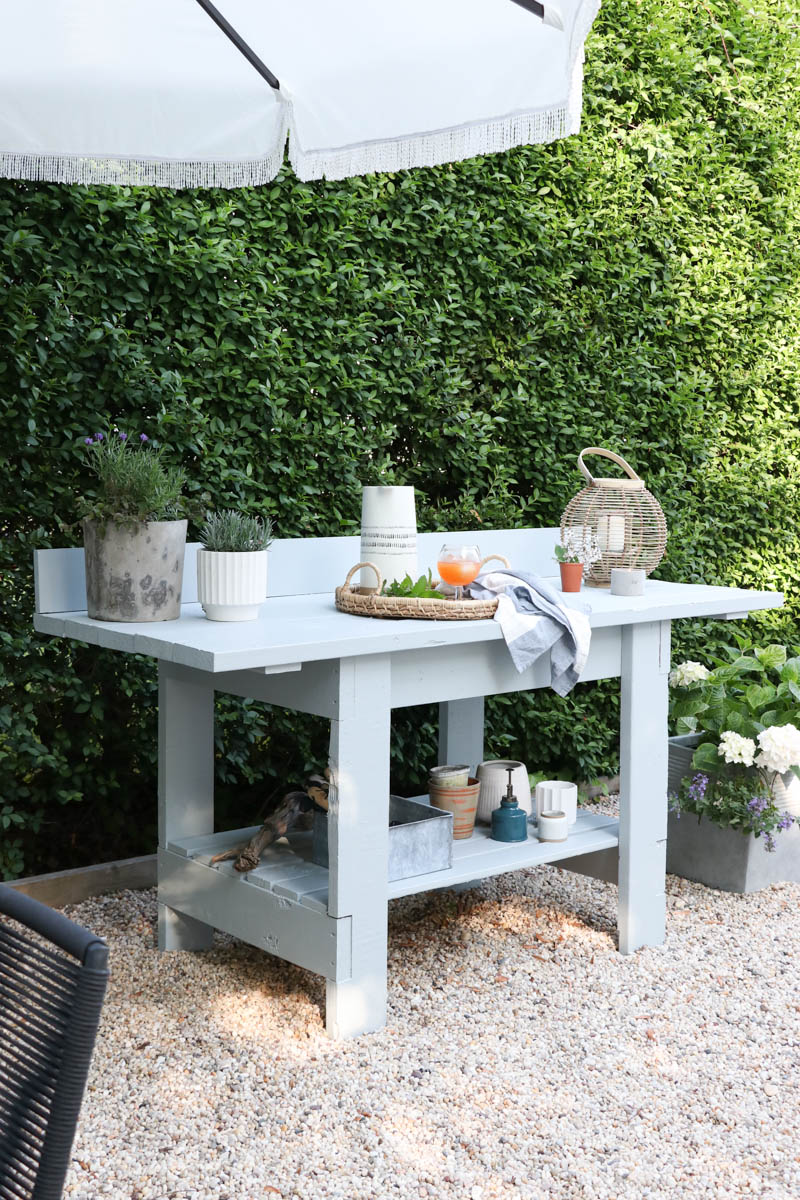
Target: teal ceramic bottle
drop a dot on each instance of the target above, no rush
(509, 821)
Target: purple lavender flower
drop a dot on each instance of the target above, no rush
(88, 441)
(143, 438)
(123, 437)
(786, 821)
(758, 804)
(99, 437)
(697, 788)
(770, 842)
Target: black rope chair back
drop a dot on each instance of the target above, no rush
(50, 1001)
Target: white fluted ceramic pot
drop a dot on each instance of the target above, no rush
(786, 793)
(493, 776)
(231, 585)
(557, 795)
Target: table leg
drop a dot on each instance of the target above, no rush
(185, 783)
(461, 731)
(643, 785)
(358, 842)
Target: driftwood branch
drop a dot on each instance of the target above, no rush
(278, 823)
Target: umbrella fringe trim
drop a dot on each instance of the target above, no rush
(458, 143)
(434, 149)
(143, 172)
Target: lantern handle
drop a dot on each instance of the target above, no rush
(584, 470)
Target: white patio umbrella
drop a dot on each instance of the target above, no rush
(178, 94)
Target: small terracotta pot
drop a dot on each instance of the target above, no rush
(462, 802)
(571, 576)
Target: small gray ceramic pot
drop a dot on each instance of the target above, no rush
(627, 582)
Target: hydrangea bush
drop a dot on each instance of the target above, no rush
(744, 708)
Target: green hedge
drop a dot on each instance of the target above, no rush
(466, 329)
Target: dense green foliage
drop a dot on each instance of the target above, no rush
(467, 330)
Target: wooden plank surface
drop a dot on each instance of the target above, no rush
(474, 858)
(308, 628)
(479, 857)
(225, 900)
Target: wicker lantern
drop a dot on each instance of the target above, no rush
(624, 517)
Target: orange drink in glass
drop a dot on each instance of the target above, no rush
(458, 566)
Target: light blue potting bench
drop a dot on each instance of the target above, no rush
(304, 655)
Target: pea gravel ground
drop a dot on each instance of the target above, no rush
(524, 1057)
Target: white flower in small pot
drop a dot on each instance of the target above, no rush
(579, 551)
(232, 566)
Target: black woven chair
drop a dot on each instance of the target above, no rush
(50, 1002)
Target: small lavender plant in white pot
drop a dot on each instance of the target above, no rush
(232, 565)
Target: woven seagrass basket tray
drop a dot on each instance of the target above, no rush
(375, 605)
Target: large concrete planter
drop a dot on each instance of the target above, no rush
(726, 858)
(134, 572)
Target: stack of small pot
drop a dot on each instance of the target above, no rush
(453, 790)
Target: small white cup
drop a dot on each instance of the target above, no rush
(556, 795)
(553, 827)
(627, 581)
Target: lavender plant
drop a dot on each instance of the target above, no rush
(233, 532)
(135, 484)
(737, 802)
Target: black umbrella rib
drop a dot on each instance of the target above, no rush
(532, 6)
(242, 46)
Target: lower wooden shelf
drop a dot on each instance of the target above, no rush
(286, 868)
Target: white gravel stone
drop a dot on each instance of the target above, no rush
(524, 1058)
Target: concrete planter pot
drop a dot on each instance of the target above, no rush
(726, 858)
(232, 585)
(134, 572)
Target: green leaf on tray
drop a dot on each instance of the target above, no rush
(420, 589)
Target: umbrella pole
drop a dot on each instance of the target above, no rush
(239, 42)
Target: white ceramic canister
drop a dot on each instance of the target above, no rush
(455, 777)
(786, 794)
(557, 795)
(388, 533)
(493, 775)
(553, 827)
(232, 585)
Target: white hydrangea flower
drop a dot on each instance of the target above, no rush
(780, 748)
(687, 673)
(736, 749)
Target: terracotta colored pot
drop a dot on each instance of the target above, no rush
(571, 576)
(462, 802)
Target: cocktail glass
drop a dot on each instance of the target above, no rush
(458, 566)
